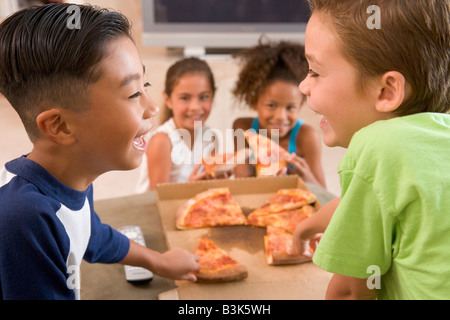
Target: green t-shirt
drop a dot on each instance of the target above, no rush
(394, 212)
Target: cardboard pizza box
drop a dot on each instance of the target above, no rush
(243, 243)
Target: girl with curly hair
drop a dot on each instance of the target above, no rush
(268, 83)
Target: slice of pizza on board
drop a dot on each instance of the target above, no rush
(287, 220)
(217, 265)
(212, 208)
(287, 199)
(276, 243)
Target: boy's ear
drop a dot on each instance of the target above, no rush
(392, 93)
(52, 125)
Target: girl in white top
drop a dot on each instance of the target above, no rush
(174, 152)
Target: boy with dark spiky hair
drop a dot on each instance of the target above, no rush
(80, 91)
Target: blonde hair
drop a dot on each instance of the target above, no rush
(413, 39)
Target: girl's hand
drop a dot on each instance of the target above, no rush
(301, 167)
(196, 176)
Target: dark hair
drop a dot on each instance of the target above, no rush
(45, 61)
(414, 39)
(178, 70)
(267, 62)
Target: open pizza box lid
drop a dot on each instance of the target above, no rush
(244, 243)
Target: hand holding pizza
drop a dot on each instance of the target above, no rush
(308, 232)
(178, 264)
(196, 175)
(304, 247)
(299, 166)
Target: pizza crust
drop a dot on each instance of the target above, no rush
(230, 273)
(216, 265)
(282, 258)
(287, 199)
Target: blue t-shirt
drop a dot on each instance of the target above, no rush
(46, 230)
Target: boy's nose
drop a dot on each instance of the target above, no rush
(151, 109)
(304, 87)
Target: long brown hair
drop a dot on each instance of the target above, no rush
(179, 69)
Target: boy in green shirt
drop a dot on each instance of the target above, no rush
(379, 76)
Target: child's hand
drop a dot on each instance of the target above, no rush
(178, 264)
(196, 176)
(308, 232)
(299, 245)
(301, 167)
(304, 247)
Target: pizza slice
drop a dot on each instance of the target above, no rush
(211, 208)
(224, 162)
(276, 243)
(287, 199)
(287, 220)
(217, 265)
(270, 158)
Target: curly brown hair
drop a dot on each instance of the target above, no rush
(267, 62)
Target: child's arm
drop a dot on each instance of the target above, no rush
(315, 224)
(159, 159)
(176, 264)
(349, 288)
(195, 175)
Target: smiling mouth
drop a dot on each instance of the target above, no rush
(197, 117)
(140, 142)
(278, 126)
(323, 120)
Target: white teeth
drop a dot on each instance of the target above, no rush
(140, 142)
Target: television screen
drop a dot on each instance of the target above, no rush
(231, 11)
(222, 23)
